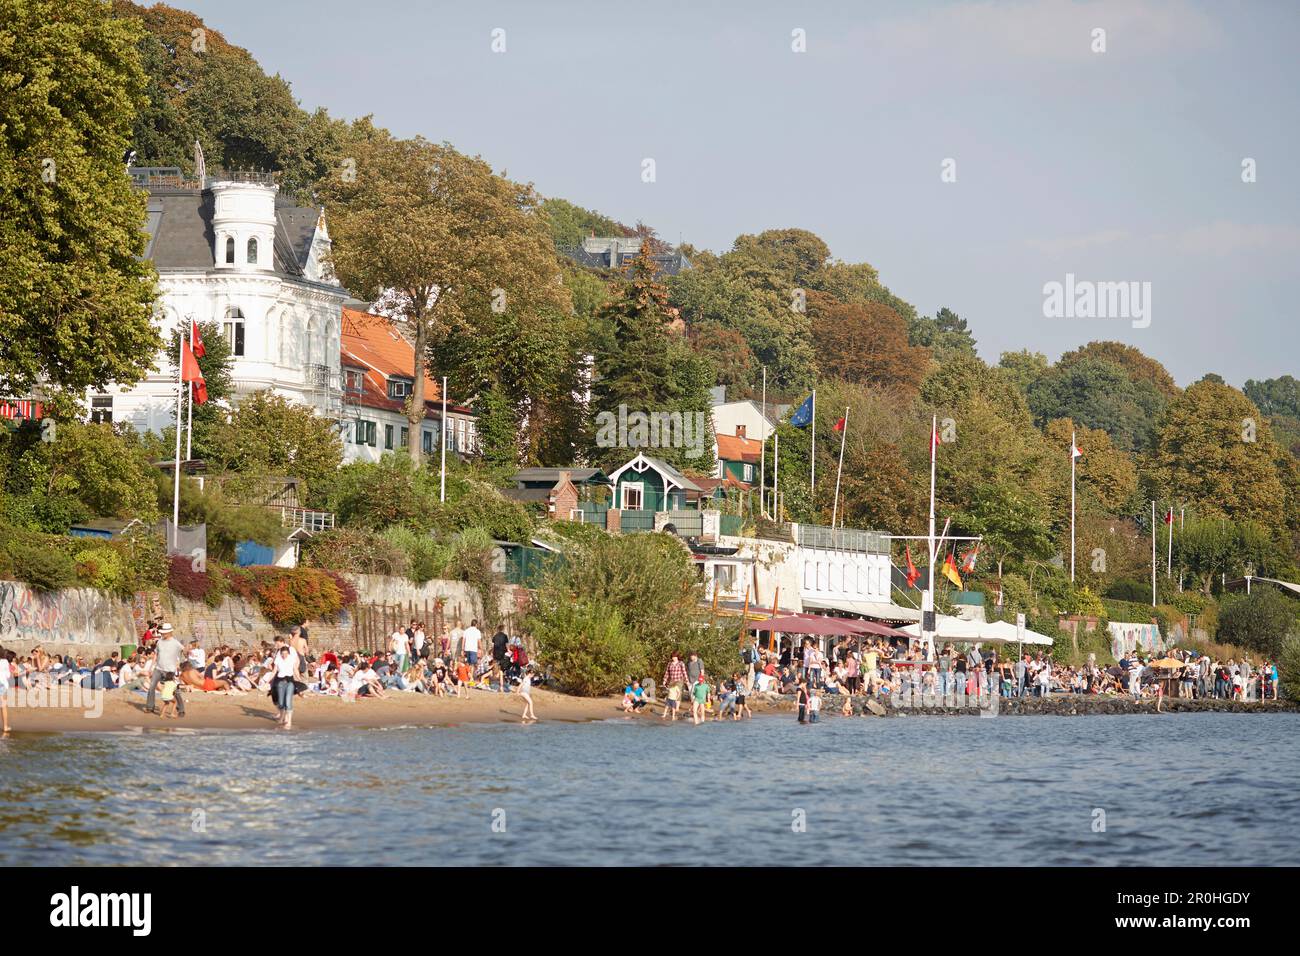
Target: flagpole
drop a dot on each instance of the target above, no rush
(813, 425)
(762, 465)
(776, 478)
(1153, 553)
(927, 602)
(1169, 569)
(1072, 456)
(176, 478)
(442, 430)
(844, 435)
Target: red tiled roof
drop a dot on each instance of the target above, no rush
(708, 485)
(371, 343)
(735, 448)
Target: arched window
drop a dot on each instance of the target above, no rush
(234, 329)
(252, 251)
(230, 249)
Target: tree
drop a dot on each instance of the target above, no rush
(1106, 479)
(649, 368)
(865, 343)
(570, 224)
(76, 293)
(201, 87)
(1137, 366)
(1260, 621)
(946, 335)
(434, 234)
(1215, 451)
(269, 435)
(1210, 548)
(1099, 394)
(1024, 367)
(729, 354)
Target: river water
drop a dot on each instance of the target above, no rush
(1194, 789)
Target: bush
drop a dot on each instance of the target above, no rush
(1260, 621)
(479, 505)
(209, 585)
(44, 569)
(288, 596)
(426, 557)
(101, 566)
(355, 550)
(585, 645)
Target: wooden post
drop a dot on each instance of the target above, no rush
(744, 616)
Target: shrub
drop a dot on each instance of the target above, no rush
(356, 550)
(209, 585)
(480, 505)
(1260, 621)
(44, 569)
(101, 566)
(288, 596)
(585, 645)
(426, 557)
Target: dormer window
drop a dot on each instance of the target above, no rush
(252, 251)
(230, 250)
(353, 380)
(399, 387)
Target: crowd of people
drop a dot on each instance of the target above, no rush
(165, 669)
(879, 669)
(460, 660)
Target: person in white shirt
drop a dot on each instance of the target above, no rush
(285, 666)
(472, 638)
(418, 641)
(6, 681)
(399, 644)
(197, 655)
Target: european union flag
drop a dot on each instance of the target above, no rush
(802, 416)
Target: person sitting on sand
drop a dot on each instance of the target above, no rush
(633, 697)
(496, 675)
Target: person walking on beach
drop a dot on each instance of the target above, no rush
(167, 660)
(675, 674)
(6, 681)
(282, 684)
(525, 691)
(699, 697)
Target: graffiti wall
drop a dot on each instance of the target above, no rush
(1126, 638)
(82, 616)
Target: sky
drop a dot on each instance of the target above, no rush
(973, 152)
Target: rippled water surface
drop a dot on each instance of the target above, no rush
(1199, 789)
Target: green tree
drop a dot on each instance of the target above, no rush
(1215, 451)
(1099, 394)
(435, 235)
(76, 293)
(649, 367)
(1260, 621)
(947, 335)
(269, 435)
(1024, 367)
(585, 644)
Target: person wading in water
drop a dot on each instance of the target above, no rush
(802, 699)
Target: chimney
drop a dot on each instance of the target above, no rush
(740, 431)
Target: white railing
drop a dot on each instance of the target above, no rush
(307, 520)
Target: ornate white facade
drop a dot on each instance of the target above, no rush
(230, 253)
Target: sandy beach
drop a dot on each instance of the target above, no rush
(254, 711)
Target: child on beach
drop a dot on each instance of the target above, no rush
(168, 687)
(699, 697)
(674, 699)
(525, 691)
(633, 697)
(814, 705)
(464, 673)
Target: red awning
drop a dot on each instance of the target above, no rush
(812, 624)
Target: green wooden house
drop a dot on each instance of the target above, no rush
(651, 484)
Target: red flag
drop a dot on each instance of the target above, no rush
(196, 340)
(190, 373)
(935, 440)
(1169, 516)
(968, 560)
(839, 426)
(912, 572)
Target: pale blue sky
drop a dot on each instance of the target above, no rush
(1124, 165)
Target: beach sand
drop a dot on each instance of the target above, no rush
(124, 711)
